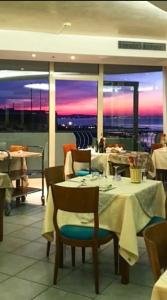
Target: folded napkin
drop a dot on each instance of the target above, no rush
(105, 188)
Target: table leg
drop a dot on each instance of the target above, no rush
(2, 198)
(124, 270)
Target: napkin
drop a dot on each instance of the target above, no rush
(104, 188)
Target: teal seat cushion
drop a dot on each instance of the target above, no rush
(154, 220)
(85, 172)
(82, 232)
(82, 173)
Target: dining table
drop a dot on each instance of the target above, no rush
(100, 161)
(159, 291)
(159, 158)
(124, 207)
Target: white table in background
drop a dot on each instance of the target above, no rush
(159, 158)
(160, 288)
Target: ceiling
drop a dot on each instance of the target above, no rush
(107, 18)
(133, 19)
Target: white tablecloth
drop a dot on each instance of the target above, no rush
(160, 288)
(159, 158)
(125, 209)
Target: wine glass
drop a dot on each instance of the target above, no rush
(116, 172)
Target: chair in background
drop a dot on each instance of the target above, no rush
(53, 175)
(155, 238)
(81, 156)
(155, 146)
(68, 147)
(13, 148)
(80, 200)
(115, 145)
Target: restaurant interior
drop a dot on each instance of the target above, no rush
(83, 150)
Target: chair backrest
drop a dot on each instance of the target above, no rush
(54, 175)
(75, 200)
(81, 156)
(115, 145)
(13, 148)
(155, 237)
(156, 146)
(68, 147)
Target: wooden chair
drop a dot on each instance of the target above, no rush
(53, 175)
(13, 148)
(68, 147)
(80, 200)
(155, 146)
(155, 238)
(81, 156)
(115, 145)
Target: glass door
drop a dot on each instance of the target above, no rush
(120, 113)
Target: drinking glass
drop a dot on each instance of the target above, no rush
(116, 172)
(144, 174)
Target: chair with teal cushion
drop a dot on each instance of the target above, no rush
(153, 220)
(55, 175)
(80, 200)
(155, 237)
(82, 157)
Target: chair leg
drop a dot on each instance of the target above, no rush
(116, 255)
(48, 248)
(96, 267)
(73, 255)
(83, 255)
(57, 261)
(61, 256)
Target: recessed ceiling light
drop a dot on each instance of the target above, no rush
(34, 55)
(72, 57)
(67, 24)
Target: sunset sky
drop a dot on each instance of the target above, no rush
(76, 97)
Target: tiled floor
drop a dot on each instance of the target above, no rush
(26, 273)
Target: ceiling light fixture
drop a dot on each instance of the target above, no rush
(64, 26)
(67, 24)
(72, 57)
(34, 55)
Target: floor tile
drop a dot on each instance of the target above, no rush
(10, 243)
(53, 294)
(42, 272)
(117, 291)
(22, 219)
(18, 289)
(34, 250)
(81, 280)
(11, 264)
(29, 233)
(3, 277)
(8, 228)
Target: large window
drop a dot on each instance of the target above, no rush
(23, 96)
(76, 105)
(150, 105)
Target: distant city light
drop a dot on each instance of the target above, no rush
(70, 123)
(37, 86)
